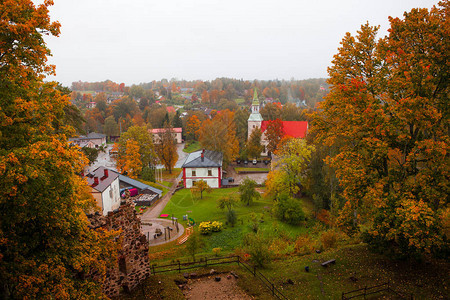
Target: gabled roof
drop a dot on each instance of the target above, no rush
(95, 135)
(137, 184)
(210, 159)
(103, 182)
(296, 129)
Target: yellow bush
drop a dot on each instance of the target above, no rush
(329, 239)
(304, 245)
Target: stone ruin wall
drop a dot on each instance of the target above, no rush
(133, 264)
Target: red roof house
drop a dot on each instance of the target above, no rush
(296, 129)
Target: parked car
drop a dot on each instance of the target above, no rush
(238, 161)
(255, 161)
(245, 162)
(266, 162)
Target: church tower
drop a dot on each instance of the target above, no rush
(255, 119)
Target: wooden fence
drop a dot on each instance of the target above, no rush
(381, 288)
(208, 262)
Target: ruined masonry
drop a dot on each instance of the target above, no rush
(133, 262)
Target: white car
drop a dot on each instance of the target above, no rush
(255, 161)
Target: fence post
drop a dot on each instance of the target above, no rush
(254, 270)
(179, 267)
(365, 291)
(273, 290)
(153, 269)
(206, 261)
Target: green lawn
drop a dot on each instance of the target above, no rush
(239, 100)
(201, 210)
(251, 170)
(192, 146)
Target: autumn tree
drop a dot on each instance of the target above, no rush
(193, 128)
(143, 145)
(273, 134)
(254, 147)
(388, 110)
(219, 134)
(166, 148)
(47, 250)
(111, 128)
(293, 161)
(248, 192)
(200, 187)
(271, 111)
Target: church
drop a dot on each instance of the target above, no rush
(295, 129)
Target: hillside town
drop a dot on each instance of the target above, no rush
(323, 188)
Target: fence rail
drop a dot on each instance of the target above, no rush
(179, 266)
(365, 291)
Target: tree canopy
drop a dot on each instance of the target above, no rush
(388, 114)
(46, 247)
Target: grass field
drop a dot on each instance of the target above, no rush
(192, 146)
(201, 210)
(239, 170)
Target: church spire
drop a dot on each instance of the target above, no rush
(255, 95)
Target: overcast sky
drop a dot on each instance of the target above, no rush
(143, 40)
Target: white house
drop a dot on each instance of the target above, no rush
(157, 133)
(203, 165)
(96, 139)
(105, 189)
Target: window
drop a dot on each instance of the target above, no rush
(194, 173)
(194, 182)
(209, 172)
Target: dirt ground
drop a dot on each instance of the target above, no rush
(208, 288)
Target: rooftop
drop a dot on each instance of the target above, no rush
(104, 178)
(210, 159)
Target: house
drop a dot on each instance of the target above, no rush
(93, 138)
(176, 134)
(146, 193)
(105, 189)
(203, 165)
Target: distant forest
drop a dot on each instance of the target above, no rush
(311, 91)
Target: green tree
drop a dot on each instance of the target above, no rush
(254, 147)
(247, 191)
(47, 250)
(111, 128)
(241, 122)
(388, 110)
(294, 161)
(288, 209)
(228, 202)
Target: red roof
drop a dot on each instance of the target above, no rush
(296, 129)
(159, 130)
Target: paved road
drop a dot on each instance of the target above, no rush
(181, 155)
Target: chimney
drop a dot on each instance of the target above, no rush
(106, 173)
(203, 155)
(95, 181)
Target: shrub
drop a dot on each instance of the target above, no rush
(329, 239)
(256, 246)
(205, 228)
(208, 227)
(304, 245)
(216, 251)
(280, 247)
(216, 226)
(231, 217)
(289, 210)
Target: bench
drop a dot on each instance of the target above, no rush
(331, 261)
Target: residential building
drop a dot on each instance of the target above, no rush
(176, 134)
(203, 165)
(93, 138)
(105, 189)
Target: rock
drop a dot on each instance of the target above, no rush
(186, 275)
(234, 274)
(212, 272)
(229, 276)
(318, 251)
(217, 279)
(289, 281)
(307, 268)
(180, 281)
